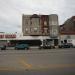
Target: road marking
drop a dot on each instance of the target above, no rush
(24, 64)
(7, 69)
(53, 66)
(38, 67)
(28, 66)
(59, 65)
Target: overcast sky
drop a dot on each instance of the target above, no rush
(11, 11)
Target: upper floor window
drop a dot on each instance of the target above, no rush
(45, 23)
(35, 29)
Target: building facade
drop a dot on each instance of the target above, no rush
(40, 25)
(68, 28)
(67, 31)
(53, 26)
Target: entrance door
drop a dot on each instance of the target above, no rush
(55, 42)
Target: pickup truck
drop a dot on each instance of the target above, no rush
(22, 46)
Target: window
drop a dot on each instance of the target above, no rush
(35, 22)
(35, 29)
(45, 23)
(26, 30)
(45, 30)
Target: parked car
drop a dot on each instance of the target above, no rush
(66, 45)
(3, 47)
(22, 46)
(70, 45)
(46, 47)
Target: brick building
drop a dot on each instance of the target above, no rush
(39, 25)
(67, 31)
(68, 27)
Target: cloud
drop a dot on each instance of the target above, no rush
(11, 11)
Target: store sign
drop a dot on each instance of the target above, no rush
(1, 36)
(7, 36)
(10, 36)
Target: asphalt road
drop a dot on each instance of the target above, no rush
(37, 62)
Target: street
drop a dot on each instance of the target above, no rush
(37, 62)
